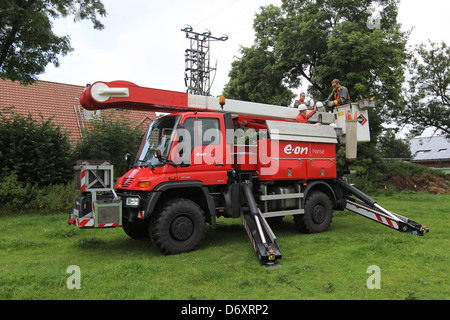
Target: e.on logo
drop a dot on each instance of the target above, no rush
(297, 150)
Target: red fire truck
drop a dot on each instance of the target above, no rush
(213, 158)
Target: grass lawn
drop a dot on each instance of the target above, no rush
(36, 250)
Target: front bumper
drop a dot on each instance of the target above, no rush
(105, 212)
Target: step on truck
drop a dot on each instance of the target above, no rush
(210, 158)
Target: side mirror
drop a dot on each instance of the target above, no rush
(127, 158)
(158, 154)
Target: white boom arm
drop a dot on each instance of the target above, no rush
(127, 95)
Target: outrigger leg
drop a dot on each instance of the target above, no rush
(261, 235)
(368, 208)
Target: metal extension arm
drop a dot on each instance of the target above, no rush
(368, 208)
(258, 230)
(127, 95)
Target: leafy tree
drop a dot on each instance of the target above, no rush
(27, 42)
(254, 78)
(391, 147)
(317, 41)
(428, 92)
(313, 42)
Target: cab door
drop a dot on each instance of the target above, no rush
(203, 152)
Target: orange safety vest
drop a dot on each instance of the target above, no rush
(301, 118)
(341, 96)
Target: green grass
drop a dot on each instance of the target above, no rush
(36, 249)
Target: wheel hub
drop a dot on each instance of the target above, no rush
(181, 228)
(319, 214)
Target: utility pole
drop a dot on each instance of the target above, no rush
(197, 75)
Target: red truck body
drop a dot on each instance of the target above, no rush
(199, 163)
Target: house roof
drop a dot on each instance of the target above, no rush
(431, 148)
(57, 100)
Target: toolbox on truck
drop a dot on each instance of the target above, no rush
(297, 151)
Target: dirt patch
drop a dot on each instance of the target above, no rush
(422, 182)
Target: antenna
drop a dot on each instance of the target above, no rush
(197, 73)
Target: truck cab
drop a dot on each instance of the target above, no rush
(181, 147)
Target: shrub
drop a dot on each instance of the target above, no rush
(18, 197)
(12, 192)
(54, 198)
(36, 152)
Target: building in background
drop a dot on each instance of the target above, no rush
(61, 101)
(432, 152)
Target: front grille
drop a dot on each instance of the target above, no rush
(127, 182)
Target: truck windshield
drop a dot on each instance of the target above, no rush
(158, 137)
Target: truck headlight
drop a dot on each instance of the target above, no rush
(132, 202)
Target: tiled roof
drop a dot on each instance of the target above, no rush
(58, 100)
(431, 148)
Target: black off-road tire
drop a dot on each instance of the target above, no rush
(179, 226)
(318, 213)
(135, 230)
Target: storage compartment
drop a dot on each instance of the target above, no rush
(83, 205)
(321, 169)
(295, 159)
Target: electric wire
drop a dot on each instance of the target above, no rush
(215, 13)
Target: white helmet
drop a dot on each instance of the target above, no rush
(310, 103)
(302, 107)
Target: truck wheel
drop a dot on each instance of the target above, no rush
(178, 227)
(135, 230)
(318, 214)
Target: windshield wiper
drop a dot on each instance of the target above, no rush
(145, 164)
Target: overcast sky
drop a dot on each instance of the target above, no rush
(142, 41)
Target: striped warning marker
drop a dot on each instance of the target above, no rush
(107, 225)
(83, 180)
(387, 221)
(84, 223)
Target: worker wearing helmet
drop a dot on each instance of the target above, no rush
(303, 115)
(339, 96)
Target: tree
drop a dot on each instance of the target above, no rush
(27, 42)
(428, 92)
(313, 42)
(317, 41)
(253, 78)
(391, 147)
